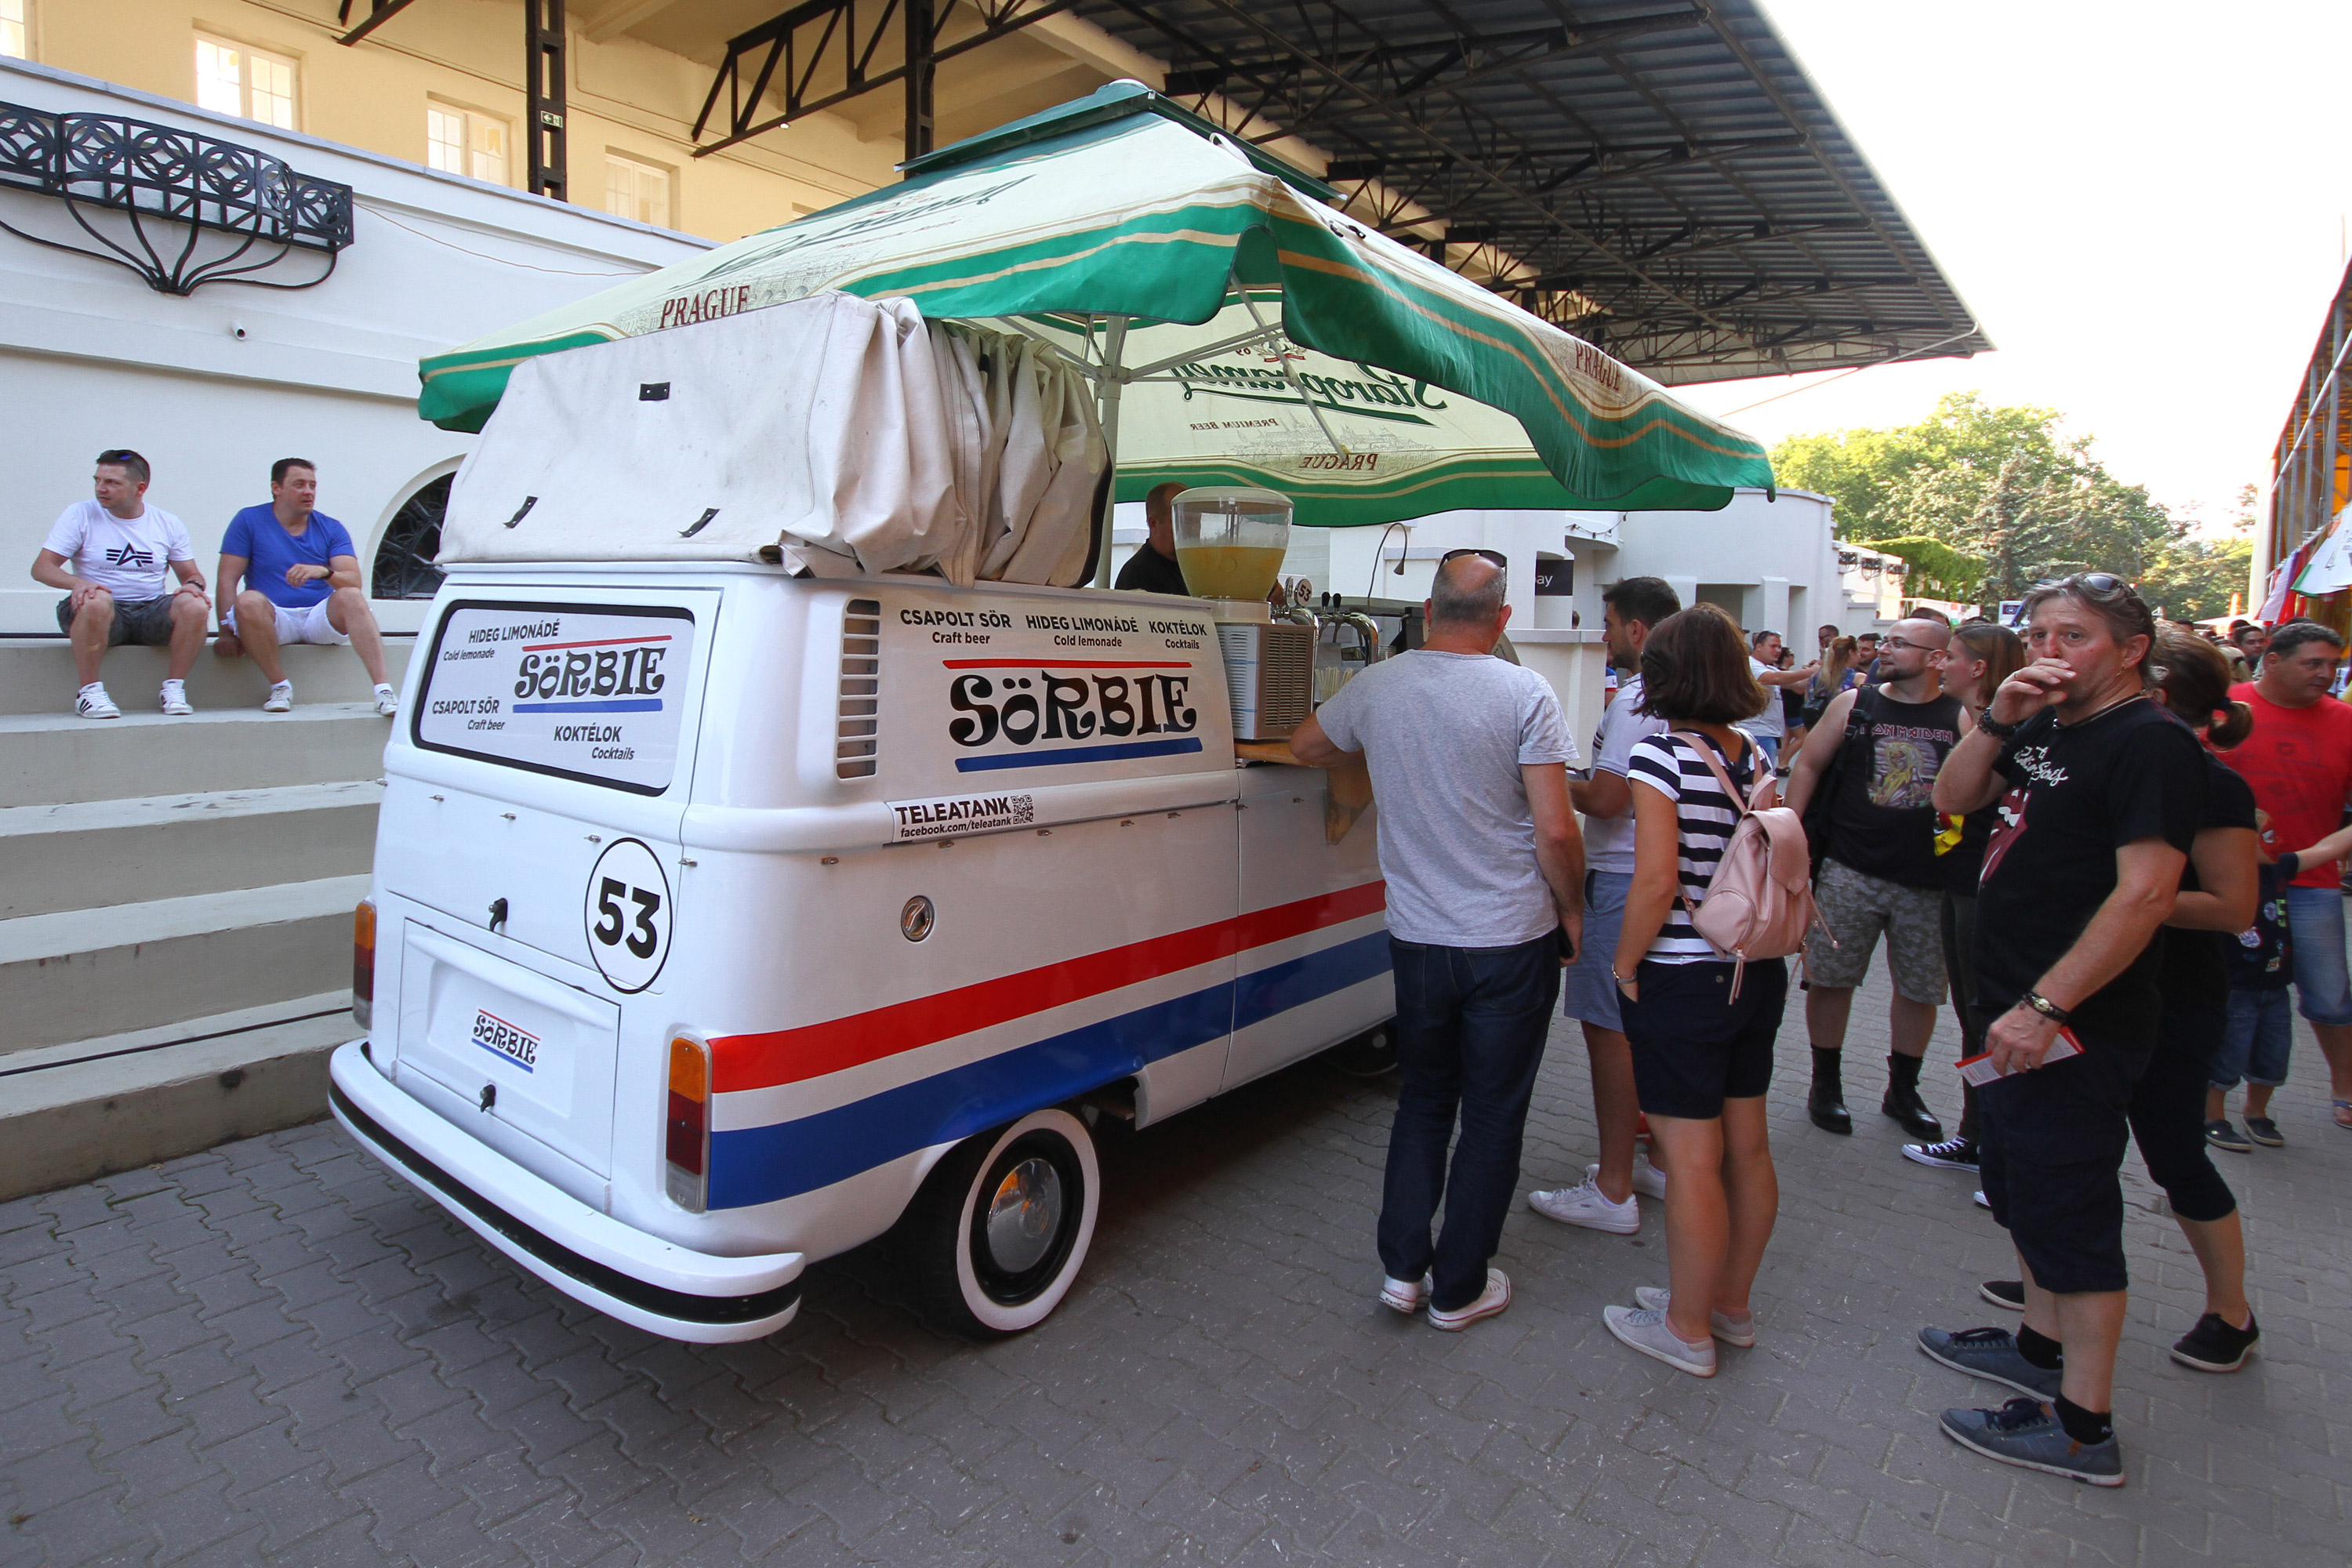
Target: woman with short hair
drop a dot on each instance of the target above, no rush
(1702, 1044)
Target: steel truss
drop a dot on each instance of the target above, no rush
(824, 52)
(1659, 176)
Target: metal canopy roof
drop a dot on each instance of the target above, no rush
(1658, 176)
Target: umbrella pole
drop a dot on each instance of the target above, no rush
(1107, 390)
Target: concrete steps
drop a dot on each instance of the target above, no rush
(93, 855)
(72, 1113)
(84, 974)
(175, 904)
(55, 759)
(36, 676)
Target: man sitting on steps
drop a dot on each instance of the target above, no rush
(303, 585)
(110, 555)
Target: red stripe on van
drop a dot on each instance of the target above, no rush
(792, 1056)
(1058, 664)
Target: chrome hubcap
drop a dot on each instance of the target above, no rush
(1024, 1216)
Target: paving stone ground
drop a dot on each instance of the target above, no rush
(276, 1352)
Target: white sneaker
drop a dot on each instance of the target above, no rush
(281, 699)
(175, 697)
(1645, 1328)
(1648, 1180)
(1491, 1300)
(387, 701)
(1587, 1205)
(1738, 1333)
(92, 703)
(1404, 1296)
(1981, 1201)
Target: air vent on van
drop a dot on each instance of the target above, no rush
(856, 734)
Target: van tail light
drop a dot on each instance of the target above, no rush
(685, 1144)
(364, 964)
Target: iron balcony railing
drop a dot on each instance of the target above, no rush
(149, 173)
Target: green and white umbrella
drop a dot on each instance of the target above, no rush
(1142, 224)
(1349, 443)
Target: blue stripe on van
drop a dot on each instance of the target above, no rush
(760, 1164)
(1078, 755)
(617, 705)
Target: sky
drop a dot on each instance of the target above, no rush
(2144, 204)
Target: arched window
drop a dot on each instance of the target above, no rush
(404, 562)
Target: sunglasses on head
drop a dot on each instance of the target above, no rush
(2099, 585)
(119, 456)
(1492, 557)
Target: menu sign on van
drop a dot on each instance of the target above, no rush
(594, 692)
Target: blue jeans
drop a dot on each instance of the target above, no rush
(1471, 1022)
(2323, 990)
(2258, 1040)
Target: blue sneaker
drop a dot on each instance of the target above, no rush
(1990, 1353)
(2027, 1433)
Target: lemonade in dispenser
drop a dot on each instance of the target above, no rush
(1230, 541)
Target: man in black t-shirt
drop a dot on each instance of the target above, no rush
(2100, 794)
(1877, 750)
(1153, 568)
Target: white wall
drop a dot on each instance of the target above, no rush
(90, 357)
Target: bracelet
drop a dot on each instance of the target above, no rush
(2046, 1007)
(1997, 730)
(1624, 980)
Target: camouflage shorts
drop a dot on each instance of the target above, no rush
(1858, 908)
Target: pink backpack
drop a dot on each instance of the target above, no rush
(1759, 902)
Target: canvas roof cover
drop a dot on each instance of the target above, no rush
(833, 433)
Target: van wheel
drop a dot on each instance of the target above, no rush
(1001, 1226)
(1372, 1054)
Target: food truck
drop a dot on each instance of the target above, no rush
(724, 918)
(780, 846)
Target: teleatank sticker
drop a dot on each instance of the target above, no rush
(955, 815)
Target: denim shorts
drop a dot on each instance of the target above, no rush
(1591, 987)
(2323, 990)
(2257, 1040)
(1695, 1044)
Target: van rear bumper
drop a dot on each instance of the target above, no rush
(641, 1280)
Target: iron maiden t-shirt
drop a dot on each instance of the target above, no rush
(2077, 793)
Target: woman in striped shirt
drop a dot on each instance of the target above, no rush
(1702, 1055)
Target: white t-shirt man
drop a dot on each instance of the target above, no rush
(127, 556)
(1444, 735)
(1772, 724)
(1608, 840)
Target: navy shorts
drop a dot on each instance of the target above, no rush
(1695, 1045)
(2052, 1152)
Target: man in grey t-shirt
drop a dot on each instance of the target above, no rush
(1485, 868)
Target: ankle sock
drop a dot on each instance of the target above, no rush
(1826, 1065)
(1901, 1071)
(2039, 1349)
(97, 686)
(2084, 1425)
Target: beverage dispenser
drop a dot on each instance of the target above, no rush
(1230, 542)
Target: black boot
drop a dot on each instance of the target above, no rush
(1827, 1104)
(1902, 1101)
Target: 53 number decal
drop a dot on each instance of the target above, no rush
(628, 915)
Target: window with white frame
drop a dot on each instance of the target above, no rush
(17, 29)
(636, 190)
(253, 84)
(461, 142)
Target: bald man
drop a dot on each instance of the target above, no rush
(1875, 755)
(1153, 569)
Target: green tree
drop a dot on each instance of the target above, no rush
(2008, 499)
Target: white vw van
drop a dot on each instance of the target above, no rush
(724, 920)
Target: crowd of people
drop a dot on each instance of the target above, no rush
(287, 574)
(2112, 854)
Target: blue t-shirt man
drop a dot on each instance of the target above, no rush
(258, 536)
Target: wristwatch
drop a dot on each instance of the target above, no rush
(1997, 730)
(2046, 1007)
